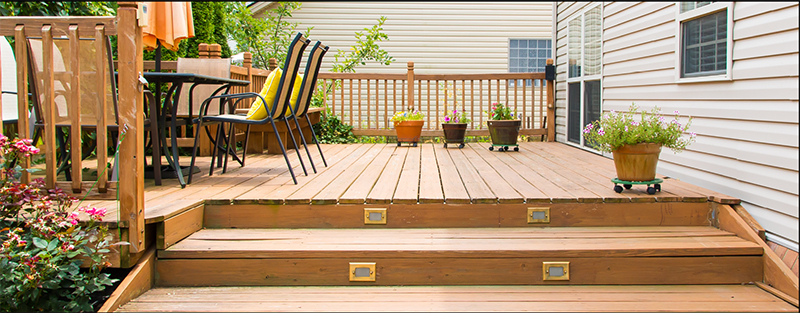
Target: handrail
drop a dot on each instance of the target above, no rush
(367, 101)
(131, 151)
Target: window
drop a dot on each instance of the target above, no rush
(584, 54)
(705, 41)
(528, 56)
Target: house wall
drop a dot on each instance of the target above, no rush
(747, 144)
(439, 37)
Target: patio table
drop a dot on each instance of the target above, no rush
(172, 98)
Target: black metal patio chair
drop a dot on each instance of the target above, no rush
(275, 113)
(307, 88)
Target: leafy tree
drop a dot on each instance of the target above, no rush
(267, 37)
(58, 8)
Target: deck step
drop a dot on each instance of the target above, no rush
(465, 256)
(675, 298)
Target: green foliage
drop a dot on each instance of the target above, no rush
(58, 8)
(410, 115)
(365, 49)
(209, 27)
(330, 129)
(615, 129)
(267, 37)
(500, 112)
(44, 244)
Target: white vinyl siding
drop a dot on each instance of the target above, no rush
(439, 37)
(747, 127)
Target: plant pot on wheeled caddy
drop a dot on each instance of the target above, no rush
(408, 131)
(454, 133)
(636, 165)
(504, 134)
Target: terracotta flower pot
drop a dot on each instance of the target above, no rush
(504, 132)
(637, 162)
(454, 132)
(408, 131)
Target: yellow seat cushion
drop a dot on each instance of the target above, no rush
(260, 111)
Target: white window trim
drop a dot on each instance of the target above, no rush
(693, 14)
(582, 78)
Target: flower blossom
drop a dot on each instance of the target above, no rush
(634, 123)
(601, 132)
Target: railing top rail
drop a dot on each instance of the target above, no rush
(59, 24)
(432, 76)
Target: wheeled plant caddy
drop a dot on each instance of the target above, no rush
(628, 184)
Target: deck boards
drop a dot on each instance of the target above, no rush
(540, 172)
(679, 298)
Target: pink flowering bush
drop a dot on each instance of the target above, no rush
(456, 117)
(615, 129)
(44, 243)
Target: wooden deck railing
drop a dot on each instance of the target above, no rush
(368, 101)
(131, 152)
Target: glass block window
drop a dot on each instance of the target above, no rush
(528, 56)
(705, 45)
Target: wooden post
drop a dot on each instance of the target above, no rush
(202, 51)
(75, 108)
(410, 104)
(551, 108)
(273, 64)
(49, 107)
(23, 129)
(214, 51)
(102, 106)
(248, 64)
(131, 106)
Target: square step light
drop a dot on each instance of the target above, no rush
(555, 270)
(539, 215)
(374, 216)
(362, 271)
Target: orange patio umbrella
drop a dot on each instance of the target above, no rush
(167, 23)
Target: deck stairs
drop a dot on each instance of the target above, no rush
(471, 257)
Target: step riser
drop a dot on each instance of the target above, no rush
(573, 214)
(462, 271)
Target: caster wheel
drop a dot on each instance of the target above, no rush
(658, 187)
(398, 144)
(651, 191)
(516, 148)
(618, 188)
(461, 146)
(414, 145)
(445, 145)
(491, 148)
(627, 186)
(505, 148)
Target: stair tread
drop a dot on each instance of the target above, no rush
(462, 242)
(667, 298)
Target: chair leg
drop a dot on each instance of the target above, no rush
(314, 135)
(283, 150)
(231, 141)
(305, 146)
(296, 149)
(194, 155)
(244, 146)
(214, 151)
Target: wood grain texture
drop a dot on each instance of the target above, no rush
(457, 215)
(776, 273)
(178, 227)
(139, 280)
(677, 298)
(455, 271)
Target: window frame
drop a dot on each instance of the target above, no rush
(693, 14)
(528, 83)
(583, 78)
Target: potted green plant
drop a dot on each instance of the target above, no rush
(408, 125)
(455, 127)
(503, 127)
(635, 139)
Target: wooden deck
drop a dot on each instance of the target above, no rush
(385, 174)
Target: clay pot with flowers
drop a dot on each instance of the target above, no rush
(503, 126)
(635, 139)
(455, 128)
(408, 125)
